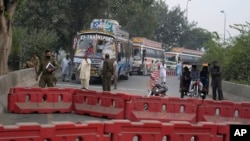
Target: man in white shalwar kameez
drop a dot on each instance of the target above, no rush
(163, 72)
(84, 68)
(65, 66)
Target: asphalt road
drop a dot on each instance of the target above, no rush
(135, 85)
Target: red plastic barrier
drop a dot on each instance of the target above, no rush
(104, 104)
(25, 94)
(48, 100)
(224, 111)
(203, 131)
(155, 75)
(162, 109)
(124, 130)
(149, 130)
(171, 73)
(87, 131)
(22, 132)
(58, 131)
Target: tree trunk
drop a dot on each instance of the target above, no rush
(7, 10)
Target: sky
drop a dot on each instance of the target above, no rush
(208, 16)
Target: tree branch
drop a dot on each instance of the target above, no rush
(12, 7)
(2, 25)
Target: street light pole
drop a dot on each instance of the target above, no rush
(225, 18)
(187, 9)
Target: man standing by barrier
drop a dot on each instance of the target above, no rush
(85, 72)
(47, 67)
(216, 81)
(107, 72)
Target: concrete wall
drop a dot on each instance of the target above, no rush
(24, 78)
(236, 92)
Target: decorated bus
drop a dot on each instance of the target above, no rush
(147, 53)
(104, 37)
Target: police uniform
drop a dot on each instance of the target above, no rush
(47, 78)
(107, 73)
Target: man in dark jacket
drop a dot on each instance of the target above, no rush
(216, 81)
(47, 66)
(107, 72)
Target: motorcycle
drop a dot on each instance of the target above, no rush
(196, 92)
(158, 89)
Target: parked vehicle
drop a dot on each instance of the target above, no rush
(196, 91)
(104, 36)
(158, 89)
(146, 53)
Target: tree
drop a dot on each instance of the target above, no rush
(195, 38)
(237, 64)
(171, 27)
(7, 11)
(66, 18)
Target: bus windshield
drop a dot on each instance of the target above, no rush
(137, 54)
(171, 57)
(104, 47)
(95, 46)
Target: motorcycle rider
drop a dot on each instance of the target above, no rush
(195, 77)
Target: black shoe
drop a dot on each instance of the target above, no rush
(83, 88)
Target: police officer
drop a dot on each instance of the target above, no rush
(47, 66)
(107, 72)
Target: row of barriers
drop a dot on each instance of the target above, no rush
(125, 106)
(117, 130)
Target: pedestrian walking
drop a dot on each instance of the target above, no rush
(115, 73)
(163, 72)
(46, 69)
(65, 66)
(84, 68)
(216, 81)
(107, 72)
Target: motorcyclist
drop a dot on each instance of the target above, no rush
(195, 77)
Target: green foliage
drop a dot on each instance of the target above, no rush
(195, 38)
(237, 65)
(26, 42)
(234, 59)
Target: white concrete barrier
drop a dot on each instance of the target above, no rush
(24, 78)
(236, 92)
